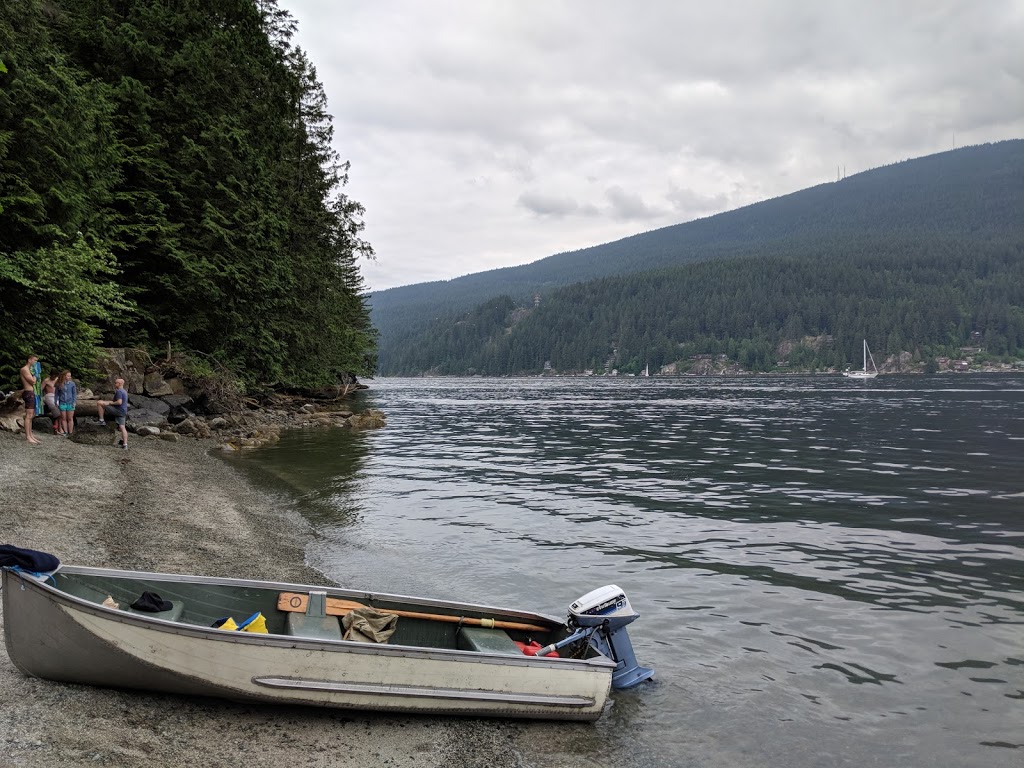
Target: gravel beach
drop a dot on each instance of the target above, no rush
(176, 507)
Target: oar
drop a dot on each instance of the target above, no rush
(295, 601)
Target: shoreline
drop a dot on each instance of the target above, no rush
(176, 507)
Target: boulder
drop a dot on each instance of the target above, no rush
(140, 417)
(12, 411)
(369, 419)
(194, 427)
(41, 425)
(177, 386)
(156, 386)
(148, 431)
(150, 404)
(178, 402)
(180, 415)
(133, 382)
(212, 405)
(128, 364)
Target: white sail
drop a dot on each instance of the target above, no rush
(864, 373)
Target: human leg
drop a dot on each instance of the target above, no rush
(29, 399)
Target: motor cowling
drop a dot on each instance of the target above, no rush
(608, 611)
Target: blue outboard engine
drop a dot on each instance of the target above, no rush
(605, 612)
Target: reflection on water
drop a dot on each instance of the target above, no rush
(812, 557)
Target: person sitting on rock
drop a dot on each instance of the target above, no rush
(117, 409)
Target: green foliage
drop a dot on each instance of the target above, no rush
(191, 141)
(57, 274)
(55, 299)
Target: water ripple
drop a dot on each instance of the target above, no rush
(809, 552)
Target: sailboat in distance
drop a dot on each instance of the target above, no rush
(865, 373)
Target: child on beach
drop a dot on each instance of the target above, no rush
(49, 386)
(67, 395)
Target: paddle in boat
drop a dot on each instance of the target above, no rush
(297, 644)
(864, 373)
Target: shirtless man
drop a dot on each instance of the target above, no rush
(28, 394)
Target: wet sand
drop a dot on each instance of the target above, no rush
(175, 507)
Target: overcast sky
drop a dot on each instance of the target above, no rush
(486, 134)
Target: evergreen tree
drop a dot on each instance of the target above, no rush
(57, 167)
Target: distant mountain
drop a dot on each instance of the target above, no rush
(945, 206)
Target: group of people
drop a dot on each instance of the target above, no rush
(60, 396)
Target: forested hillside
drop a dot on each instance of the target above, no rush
(167, 178)
(914, 256)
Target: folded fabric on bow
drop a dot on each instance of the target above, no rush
(29, 559)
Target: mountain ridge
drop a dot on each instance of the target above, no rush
(971, 192)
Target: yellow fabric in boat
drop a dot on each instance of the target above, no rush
(229, 625)
(257, 623)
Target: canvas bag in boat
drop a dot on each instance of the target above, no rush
(365, 625)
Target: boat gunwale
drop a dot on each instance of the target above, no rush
(71, 602)
(281, 586)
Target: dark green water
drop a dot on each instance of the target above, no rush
(829, 572)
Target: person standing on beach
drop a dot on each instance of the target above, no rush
(67, 396)
(28, 394)
(50, 397)
(117, 409)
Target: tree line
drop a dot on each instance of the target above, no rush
(974, 193)
(798, 307)
(167, 178)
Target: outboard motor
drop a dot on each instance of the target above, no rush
(603, 615)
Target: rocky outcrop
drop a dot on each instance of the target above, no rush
(371, 419)
(166, 408)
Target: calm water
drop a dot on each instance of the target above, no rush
(828, 572)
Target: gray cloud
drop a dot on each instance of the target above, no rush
(547, 205)
(489, 133)
(630, 205)
(692, 203)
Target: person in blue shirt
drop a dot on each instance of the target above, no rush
(117, 409)
(67, 396)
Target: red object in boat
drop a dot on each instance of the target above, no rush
(531, 648)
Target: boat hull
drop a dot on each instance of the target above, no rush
(56, 636)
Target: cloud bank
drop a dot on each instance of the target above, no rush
(489, 134)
